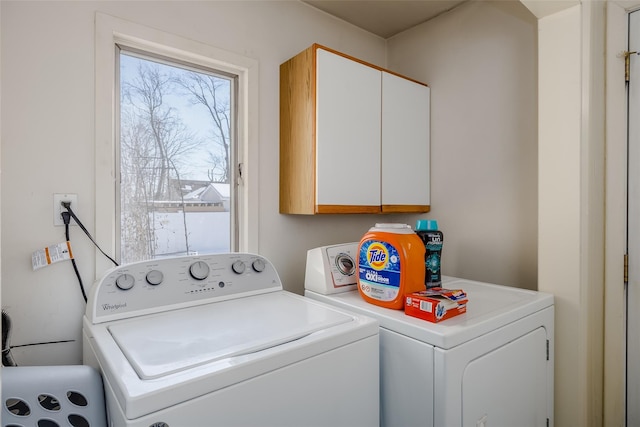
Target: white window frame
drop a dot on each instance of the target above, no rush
(110, 32)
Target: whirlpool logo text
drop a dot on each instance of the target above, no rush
(112, 307)
(377, 256)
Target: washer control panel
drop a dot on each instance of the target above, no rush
(167, 283)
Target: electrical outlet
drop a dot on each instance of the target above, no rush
(58, 208)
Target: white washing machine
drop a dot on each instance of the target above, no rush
(491, 366)
(214, 340)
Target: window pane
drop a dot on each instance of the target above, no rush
(176, 151)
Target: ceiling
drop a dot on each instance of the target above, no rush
(385, 17)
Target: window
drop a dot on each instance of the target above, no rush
(164, 173)
(176, 159)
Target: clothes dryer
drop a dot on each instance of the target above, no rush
(491, 366)
(214, 340)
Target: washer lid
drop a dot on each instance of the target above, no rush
(170, 342)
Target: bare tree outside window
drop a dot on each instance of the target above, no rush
(210, 92)
(175, 160)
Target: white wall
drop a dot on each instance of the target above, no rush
(481, 63)
(572, 207)
(560, 147)
(48, 121)
(48, 142)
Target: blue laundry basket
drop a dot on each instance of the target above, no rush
(52, 396)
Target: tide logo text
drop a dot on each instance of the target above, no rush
(377, 256)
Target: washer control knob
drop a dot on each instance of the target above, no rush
(258, 265)
(199, 270)
(155, 277)
(125, 281)
(238, 267)
(345, 264)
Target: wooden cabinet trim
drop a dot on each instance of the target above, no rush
(345, 209)
(316, 46)
(298, 133)
(405, 208)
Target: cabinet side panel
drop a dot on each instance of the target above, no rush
(406, 381)
(297, 134)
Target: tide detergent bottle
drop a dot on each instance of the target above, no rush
(390, 265)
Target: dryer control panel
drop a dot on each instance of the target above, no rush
(170, 283)
(332, 269)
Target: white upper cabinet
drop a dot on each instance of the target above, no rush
(405, 142)
(348, 97)
(354, 138)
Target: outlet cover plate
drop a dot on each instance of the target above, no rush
(58, 198)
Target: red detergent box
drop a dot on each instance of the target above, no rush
(436, 304)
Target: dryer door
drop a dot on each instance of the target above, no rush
(508, 386)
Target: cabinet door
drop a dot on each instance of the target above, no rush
(348, 96)
(405, 145)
